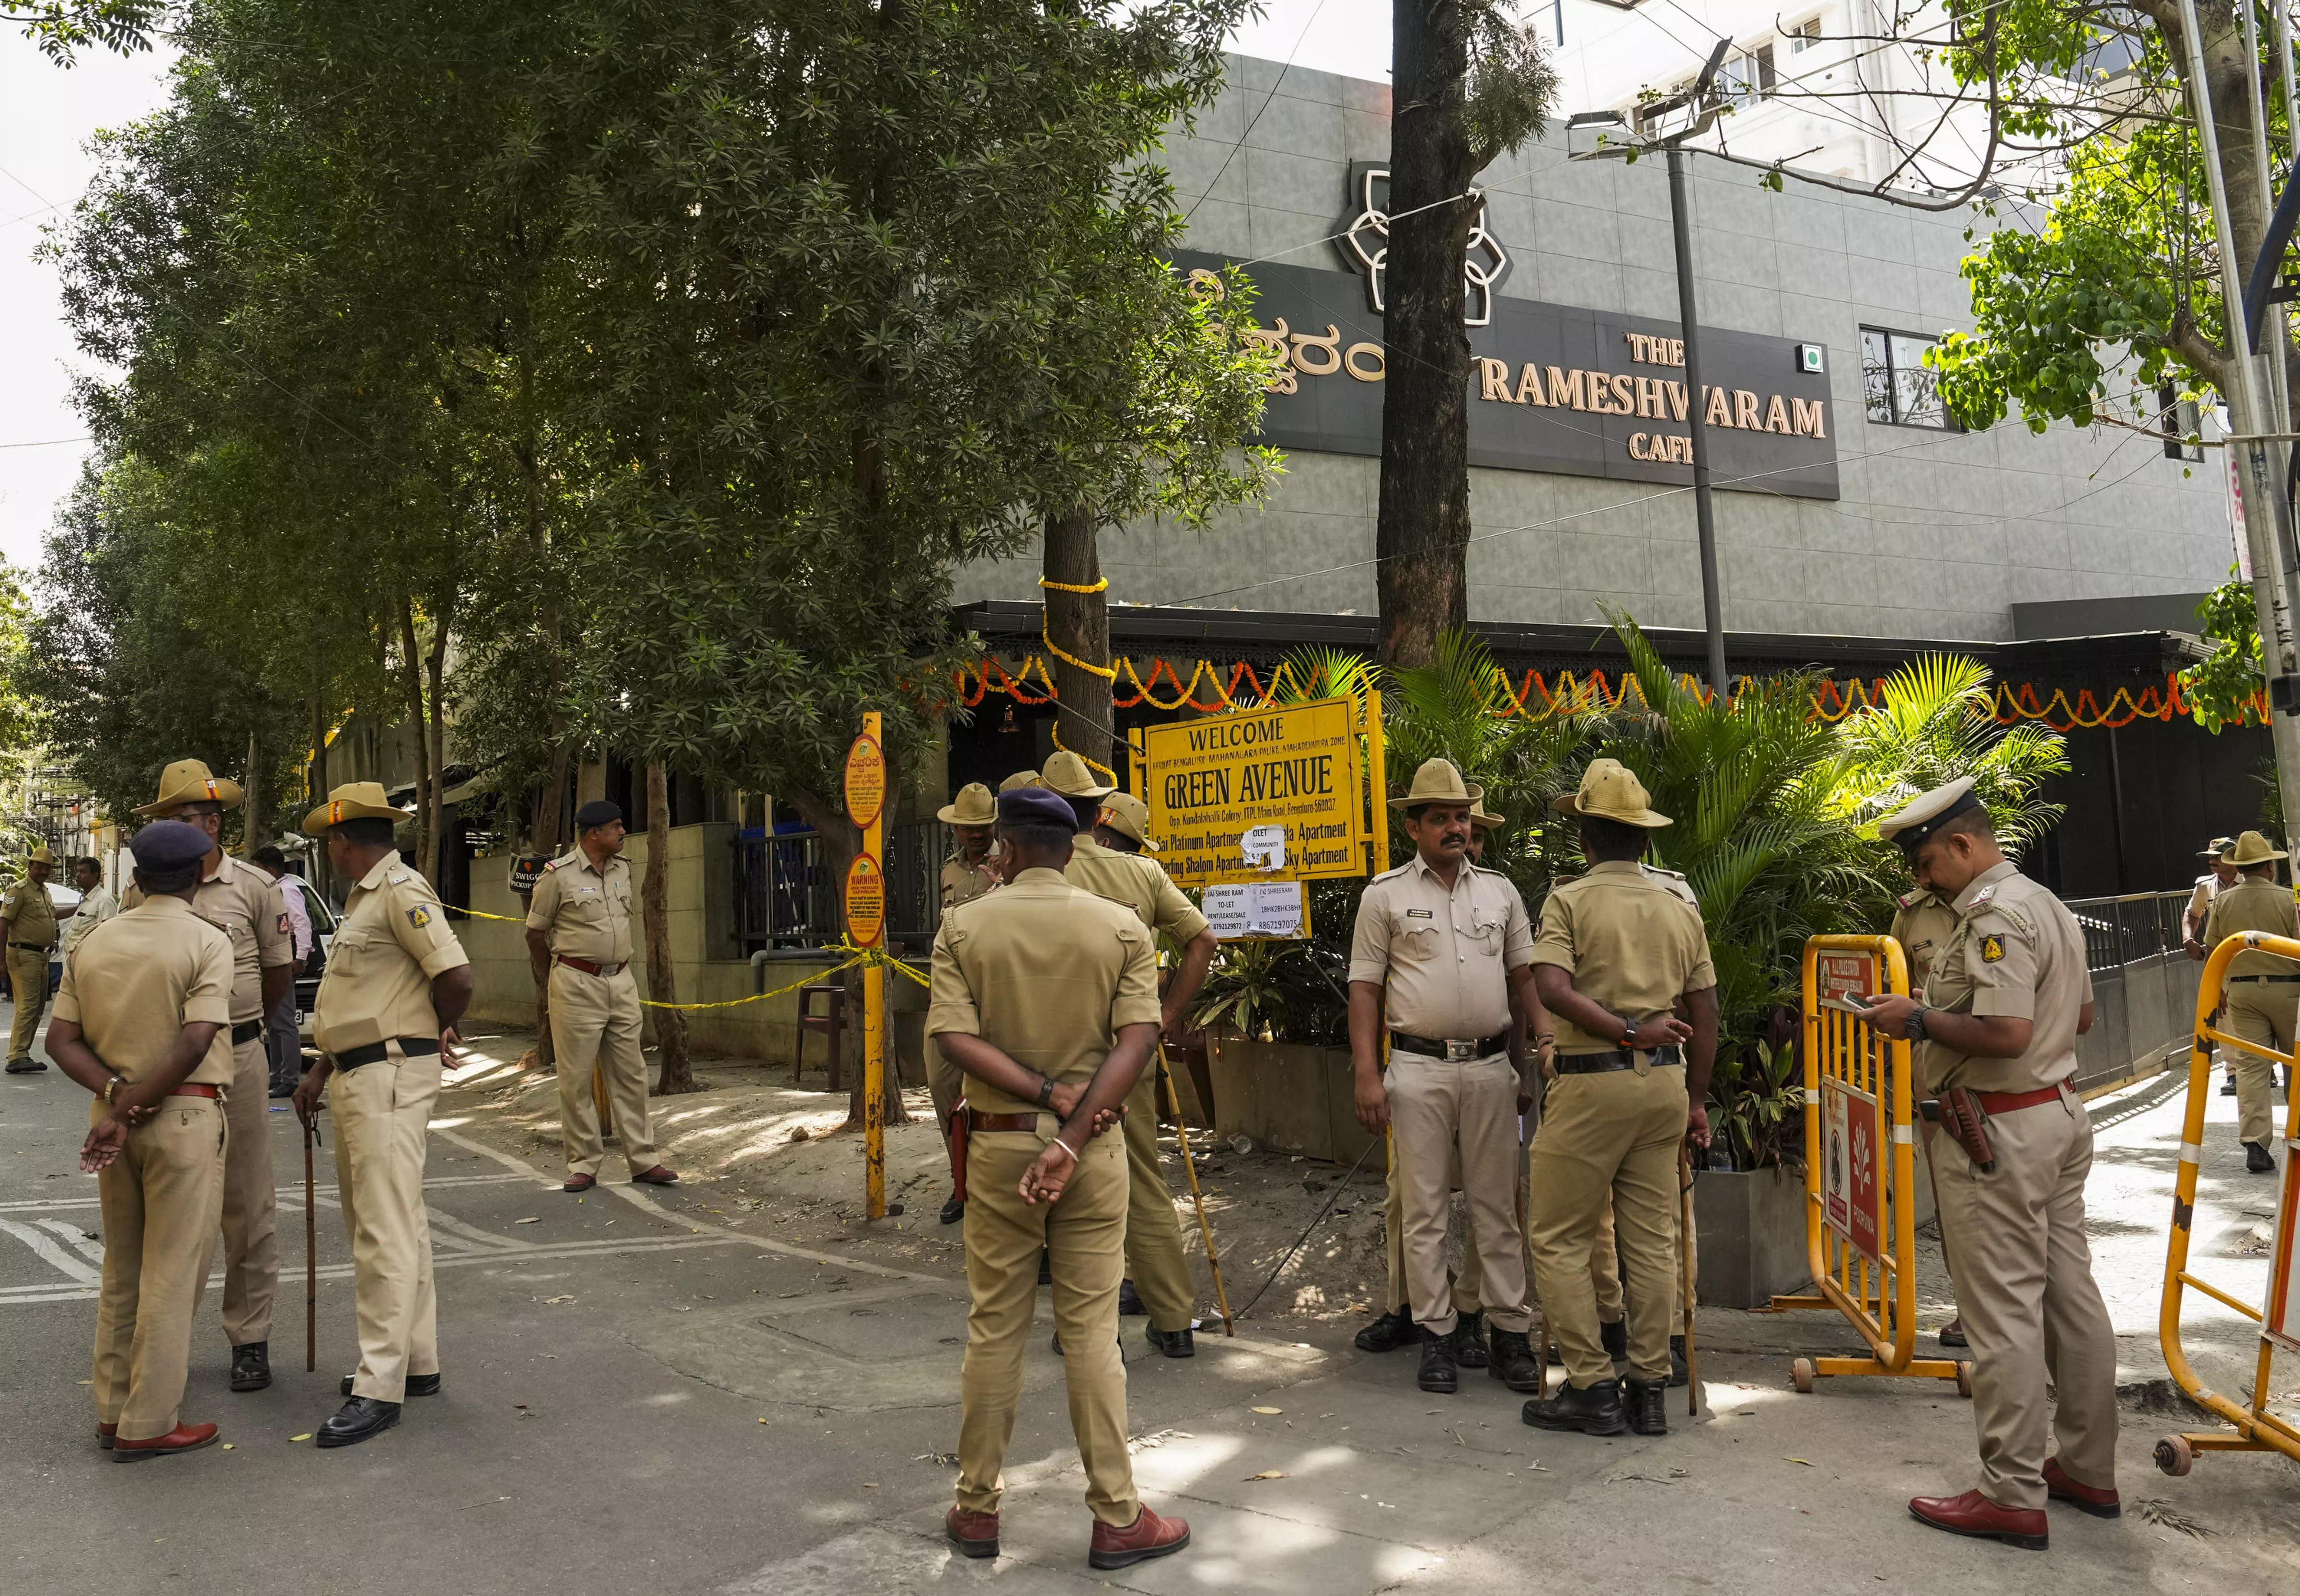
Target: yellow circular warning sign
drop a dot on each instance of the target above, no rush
(866, 901)
(866, 780)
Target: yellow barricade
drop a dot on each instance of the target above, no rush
(1860, 1123)
(2257, 1430)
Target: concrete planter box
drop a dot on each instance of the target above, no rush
(1752, 1231)
(1287, 1097)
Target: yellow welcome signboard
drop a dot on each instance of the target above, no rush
(1274, 793)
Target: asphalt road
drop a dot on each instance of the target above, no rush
(641, 1394)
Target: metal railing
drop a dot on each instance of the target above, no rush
(2143, 983)
(787, 891)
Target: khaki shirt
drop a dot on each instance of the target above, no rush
(1630, 943)
(30, 914)
(1445, 955)
(1138, 882)
(2252, 905)
(136, 981)
(1044, 972)
(245, 903)
(1922, 924)
(2200, 901)
(582, 912)
(962, 883)
(2016, 950)
(95, 907)
(393, 939)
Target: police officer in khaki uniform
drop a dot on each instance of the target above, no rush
(1155, 1265)
(578, 937)
(2222, 873)
(141, 1022)
(1922, 924)
(1438, 947)
(970, 871)
(398, 981)
(2263, 990)
(1018, 781)
(1999, 1018)
(28, 919)
(245, 903)
(1619, 950)
(1046, 997)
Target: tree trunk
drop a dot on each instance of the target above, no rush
(435, 667)
(546, 838)
(258, 797)
(1079, 623)
(1421, 532)
(655, 906)
(413, 660)
(318, 783)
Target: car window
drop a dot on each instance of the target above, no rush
(323, 919)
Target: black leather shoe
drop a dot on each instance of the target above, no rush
(1951, 1335)
(356, 1420)
(1677, 1370)
(1513, 1361)
(1470, 1341)
(1130, 1301)
(1615, 1339)
(1645, 1405)
(418, 1385)
(251, 1366)
(1173, 1343)
(1386, 1334)
(954, 1210)
(2228, 1087)
(25, 1067)
(1596, 1411)
(2256, 1160)
(1438, 1371)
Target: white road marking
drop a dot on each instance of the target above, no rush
(48, 1253)
(91, 1251)
(431, 1183)
(474, 1234)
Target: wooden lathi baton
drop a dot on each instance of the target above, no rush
(1685, 1271)
(1190, 1167)
(311, 1258)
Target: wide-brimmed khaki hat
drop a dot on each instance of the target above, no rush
(1067, 774)
(973, 806)
(1480, 816)
(353, 800)
(188, 781)
(1127, 816)
(1437, 782)
(1611, 791)
(40, 855)
(2219, 850)
(2253, 849)
(1018, 780)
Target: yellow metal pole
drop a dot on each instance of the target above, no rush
(874, 1029)
(1377, 783)
(1189, 1166)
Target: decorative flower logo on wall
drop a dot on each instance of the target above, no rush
(1366, 245)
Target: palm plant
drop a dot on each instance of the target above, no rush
(1937, 722)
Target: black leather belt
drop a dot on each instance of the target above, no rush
(1455, 1053)
(375, 1052)
(2234, 978)
(248, 1031)
(33, 947)
(1619, 1058)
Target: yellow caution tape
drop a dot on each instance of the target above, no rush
(482, 914)
(861, 956)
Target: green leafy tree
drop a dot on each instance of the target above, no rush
(2222, 689)
(63, 28)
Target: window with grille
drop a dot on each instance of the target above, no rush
(1900, 390)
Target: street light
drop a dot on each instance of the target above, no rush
(1702, 105)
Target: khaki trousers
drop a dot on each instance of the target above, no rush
(161, 1197)
(1153, 1229)
(382, 1111)
(27, 976)
(2031, 1309)
(595, 1019)
(1434, 1107)
(1608, 1140)
(2261, 1012)
(251, 1240)
(1085, 1231)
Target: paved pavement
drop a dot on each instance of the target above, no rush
(644, 1394)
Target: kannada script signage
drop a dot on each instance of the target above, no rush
(1552, 388)
(1285, 780)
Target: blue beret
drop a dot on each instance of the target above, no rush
(168, 845)
(1036, 806)
(599, 811)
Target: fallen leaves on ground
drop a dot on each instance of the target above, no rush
(1269, 1473)
(1269, 1410)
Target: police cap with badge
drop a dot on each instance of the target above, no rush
(1924, 817)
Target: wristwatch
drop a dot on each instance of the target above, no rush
(1916, 1027)
(1045, 1091)
(1629, 1034)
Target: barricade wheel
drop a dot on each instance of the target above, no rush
(2175, 1456)
(1965, 1379)
(1801, 1375)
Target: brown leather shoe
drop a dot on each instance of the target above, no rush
(658, 1177)
(105, 1434)
(183, 1438)
(580, 1183)
(1149, 1536)
(975, 1535)
(2088, 1498)
(1975, 1515)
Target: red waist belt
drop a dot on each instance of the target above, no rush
(193, 1090)
(977, 1120)
(587, 967)
(2006, 1102)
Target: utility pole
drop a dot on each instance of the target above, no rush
(1704, 102)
